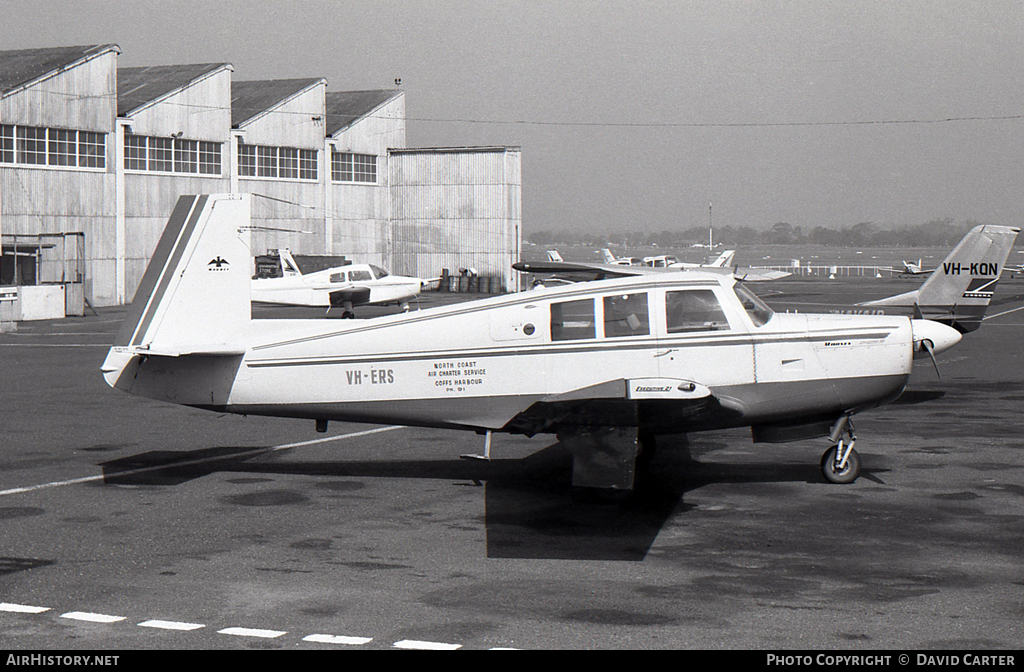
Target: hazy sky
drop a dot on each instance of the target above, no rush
(637, 115)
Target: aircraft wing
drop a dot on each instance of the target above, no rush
(621, 402)
(584, 270)
(589, 271)
(751, 274)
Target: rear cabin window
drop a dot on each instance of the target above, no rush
(694, 310)
(572, 319)
(626, 315)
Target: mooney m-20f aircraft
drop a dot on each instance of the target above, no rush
(342, 286)
(957, 292)
(606, 366)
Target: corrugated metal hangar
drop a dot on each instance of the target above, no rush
(93, 158)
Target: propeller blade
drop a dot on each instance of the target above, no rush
(928, 347)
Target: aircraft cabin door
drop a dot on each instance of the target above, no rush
(701, 341)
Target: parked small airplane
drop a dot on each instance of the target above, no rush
(553, 255)
(661, 261)
(608, 258)
(910, 268)
(605, 366)
(721, 261)
(957, 293)
(342, 286)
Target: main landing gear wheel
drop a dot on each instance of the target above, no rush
(836, 471)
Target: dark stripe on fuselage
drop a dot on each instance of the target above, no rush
(731, 339)
(179, 243)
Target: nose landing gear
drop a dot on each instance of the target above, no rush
(841, 463)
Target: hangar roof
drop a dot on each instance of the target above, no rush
(21, 67)
(344, 108)
(139, 87)
(253, 98)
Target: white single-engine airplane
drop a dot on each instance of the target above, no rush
(608, 257)
(342, 286)
(606, 366)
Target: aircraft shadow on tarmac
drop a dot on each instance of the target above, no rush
(531, 509)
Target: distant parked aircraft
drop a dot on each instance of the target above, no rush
(341, 286)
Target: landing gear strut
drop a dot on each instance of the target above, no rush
(841, 463)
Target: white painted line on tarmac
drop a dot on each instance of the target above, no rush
(1005, 312)
(252, 632)
(92, 618)
(337, 639)
(188, 463)
(430, 646)
(171, 625)
(22, 608)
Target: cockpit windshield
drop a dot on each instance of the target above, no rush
(757, 309)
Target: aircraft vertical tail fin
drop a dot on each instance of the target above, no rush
(194, 297)
(289, 267)
(959, 290)
(724, 259)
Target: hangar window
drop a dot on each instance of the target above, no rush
(161, 154)
(92, 150)
(62, 146)
(246, 160)
(626, 315)
(289, 162)
(134, 152)
(694, 310)
(209, 158)
(349, 167)
(283, 162)
(307, 164)
(572, 319)
(266, 161)
(32, 145)
(186, 156)
(6, 143)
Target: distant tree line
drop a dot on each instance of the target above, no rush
(936, 233)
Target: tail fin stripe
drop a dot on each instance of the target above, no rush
(165, 259)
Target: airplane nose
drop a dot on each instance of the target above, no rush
(938, 337)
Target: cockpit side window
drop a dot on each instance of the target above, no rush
(626, 315)
(693, 310)
(337, 277)
(359, 276)
(572, 319)
(757, 309)
(378, 271)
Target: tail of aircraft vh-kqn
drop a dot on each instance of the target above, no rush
(194, 296)
(959, 290)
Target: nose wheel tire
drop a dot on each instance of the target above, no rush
(848, 473)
